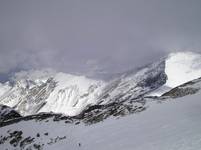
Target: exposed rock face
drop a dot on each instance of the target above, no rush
(7, 113)
(99, 113)
(133, 85)
(28, 99)
(92, 100)
(70, 94)
(188, 88)
(70, 99)
(41, 117)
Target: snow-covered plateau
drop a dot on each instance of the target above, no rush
(156, 107)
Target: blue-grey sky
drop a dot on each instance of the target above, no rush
(84, 35)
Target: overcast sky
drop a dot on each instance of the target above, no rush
(84, 35)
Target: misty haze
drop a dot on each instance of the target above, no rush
(100, 75)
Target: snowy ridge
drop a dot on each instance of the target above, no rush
(158, 123)
(188, 88)
(72, 94)
(180, 67)
(176, 122)
(131, 86)
(35, 91)
(59, 93)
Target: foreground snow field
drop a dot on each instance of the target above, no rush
(169, 125)
(172, 125)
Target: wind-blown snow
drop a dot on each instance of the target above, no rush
(180, 67)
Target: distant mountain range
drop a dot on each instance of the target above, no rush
(46, 96)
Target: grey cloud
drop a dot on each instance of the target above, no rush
(77, 35)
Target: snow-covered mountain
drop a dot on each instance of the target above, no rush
(71, 94)
(167, 124)
(35, 91)
(180, 67)
(57, 92)
(41, 95)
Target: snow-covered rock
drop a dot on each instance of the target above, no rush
(188, 88)
(72, 94)
(158, 123)
(35, 91)
(180, 67)
(44, 92)
(7, 113)
(168, 125)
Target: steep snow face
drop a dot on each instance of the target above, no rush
(72, 94)
(132, 85)
(43, 91)
(182, 67)
(30, 92)
(36, 91)
(46, 91)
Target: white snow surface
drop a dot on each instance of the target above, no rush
(72, 94)
(170, 125)
(180, 67)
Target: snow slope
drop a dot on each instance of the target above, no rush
(72, 94)
(180, 67)
(173, 125)
(40, 91)
(34, 91)
(170, 125)
(44, 91)
(161, 124)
